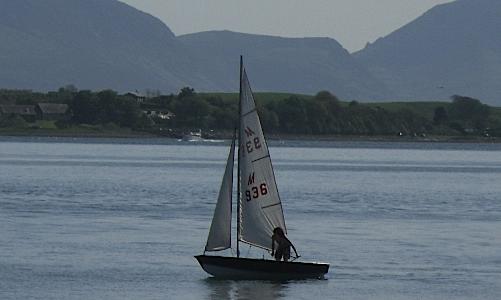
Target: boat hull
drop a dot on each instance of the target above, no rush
(259, 269)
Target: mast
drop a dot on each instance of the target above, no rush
(238, 161)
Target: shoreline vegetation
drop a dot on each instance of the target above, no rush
(131, 134)
(69, 112)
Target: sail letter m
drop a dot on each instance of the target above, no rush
(251, 179)
(249, 131)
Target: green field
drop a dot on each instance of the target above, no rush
(262, 98)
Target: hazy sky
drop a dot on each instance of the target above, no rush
(351, 22)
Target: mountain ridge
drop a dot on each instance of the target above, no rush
(451, 49)
(325, 62)
(101, 44)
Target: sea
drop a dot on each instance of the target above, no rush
(84, 218)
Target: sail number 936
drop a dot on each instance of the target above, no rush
(256, 192)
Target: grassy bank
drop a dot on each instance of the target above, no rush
(76, 131)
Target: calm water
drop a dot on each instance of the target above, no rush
(118, 219)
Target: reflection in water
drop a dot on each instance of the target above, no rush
(230, 289)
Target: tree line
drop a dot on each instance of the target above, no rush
(321, 114)
(325, 114)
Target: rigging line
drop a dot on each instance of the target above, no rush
(255, 245)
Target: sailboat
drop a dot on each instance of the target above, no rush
(259, 208)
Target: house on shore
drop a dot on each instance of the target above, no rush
(27, 112)
(52, 111)
(140, 98)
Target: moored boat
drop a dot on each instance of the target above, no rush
(193, 136)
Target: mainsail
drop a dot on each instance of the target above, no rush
(260, 205)
(220, 229)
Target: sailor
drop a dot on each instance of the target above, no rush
(283, 245)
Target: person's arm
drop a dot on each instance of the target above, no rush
(294, 248)
(272, 245)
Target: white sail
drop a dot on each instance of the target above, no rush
(260, 205)
(220, 229)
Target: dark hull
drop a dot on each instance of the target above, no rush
(260, 269)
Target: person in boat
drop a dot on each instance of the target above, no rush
(283, 250)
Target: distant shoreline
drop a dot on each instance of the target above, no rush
(122, 133)
(390, 139)
(130, 134)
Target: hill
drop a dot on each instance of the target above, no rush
(453, 48)
(98, 44)
(105, 44)
(93, 44)
(294, 65)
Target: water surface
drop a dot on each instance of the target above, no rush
(122, 219)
